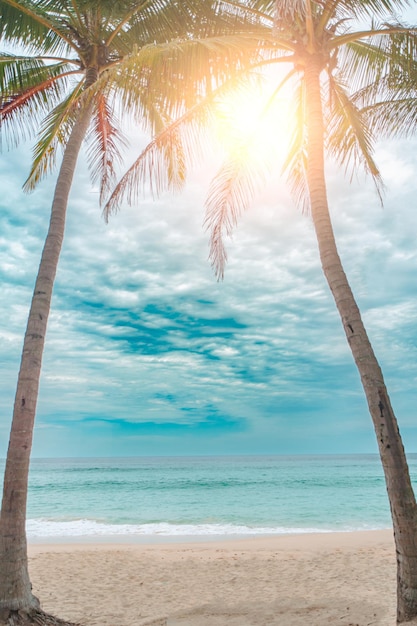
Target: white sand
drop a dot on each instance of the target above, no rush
(338, 579)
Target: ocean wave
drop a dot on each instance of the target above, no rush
(43, 528)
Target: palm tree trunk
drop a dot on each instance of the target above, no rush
(394, 462)
(15, 587)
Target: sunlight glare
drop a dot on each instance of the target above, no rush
(254, 125)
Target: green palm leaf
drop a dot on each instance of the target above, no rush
(36, 25)
(28, 89)
(54, 134)
(349, 138)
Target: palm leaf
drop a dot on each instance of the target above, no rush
(349, 138)
(162, 165)
(54, 133)
(28, 89)
(19, 74)
(295, 164)
(367, 61)
(179, 144)
(162, 20)
(176, 75)
(105, 141)
(390, 107)
(30, 24)
(371, 8)
(394, 119)
(229, 195)
(242, 175)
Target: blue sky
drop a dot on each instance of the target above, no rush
(147, 354)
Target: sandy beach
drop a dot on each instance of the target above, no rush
(343, 579)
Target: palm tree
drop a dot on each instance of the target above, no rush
(330, 53)
(69, 67)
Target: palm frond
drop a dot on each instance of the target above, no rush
(20, 74)
(349, 138)
(229, 195)
(390, 107)
(162, 165)
(145, 21)
(295, 164)
(371, 9)
(28, 88)
(394, 119)
(162, 20)
(179, 144)
(363, 61)
(176, 75)
(55, 132)
(30, 24)
(382, 36)
(105, 140)
(250, 13)
(248, 164)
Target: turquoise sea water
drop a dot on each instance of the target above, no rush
(160, 497)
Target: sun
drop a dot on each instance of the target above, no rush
(253, 123)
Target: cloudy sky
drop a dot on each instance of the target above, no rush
(147, 354)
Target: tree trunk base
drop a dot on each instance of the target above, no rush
(32, 618)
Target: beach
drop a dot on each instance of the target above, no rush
(213, 541)
(343, 579)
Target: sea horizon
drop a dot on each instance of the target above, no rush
(228, 454)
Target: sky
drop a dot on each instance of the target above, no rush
(148, 354)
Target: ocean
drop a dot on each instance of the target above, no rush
(169, 498)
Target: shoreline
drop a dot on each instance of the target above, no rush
(346, 578)
(284, 540)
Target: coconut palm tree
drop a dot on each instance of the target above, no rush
(69, 68)
(331, 53)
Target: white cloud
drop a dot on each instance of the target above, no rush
(141, 331)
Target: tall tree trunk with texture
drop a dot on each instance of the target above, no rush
(15, 588)
(394, 462)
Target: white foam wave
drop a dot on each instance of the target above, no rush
(43, 528)
(84, 527)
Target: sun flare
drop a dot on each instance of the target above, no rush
(254, 124)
